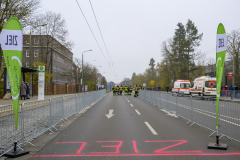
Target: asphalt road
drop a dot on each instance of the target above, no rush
(136, 130)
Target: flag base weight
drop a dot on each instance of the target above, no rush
(217, 145)
(15, 152)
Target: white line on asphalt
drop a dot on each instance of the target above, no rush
(197, 110)
(131, 105)
(188, 107)
(138, 112)
(151, 129)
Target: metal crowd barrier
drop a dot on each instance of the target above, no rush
(37, 117)
(230, 94)
(200, 112)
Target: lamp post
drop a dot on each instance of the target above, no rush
(31, 82)
(77, 80)
(82, 69)
(31, 37)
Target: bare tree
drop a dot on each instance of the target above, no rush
(56, 36)
(22, 9)
(233, 53)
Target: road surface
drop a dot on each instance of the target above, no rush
(124, 127)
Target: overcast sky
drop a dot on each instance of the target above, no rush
(133, 30)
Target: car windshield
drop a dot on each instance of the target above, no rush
(184, 85)
(210, 84)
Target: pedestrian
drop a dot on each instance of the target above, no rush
(167, 88)
(226, 91)
(121, 89)
(231, 91)
(23, 89)
(236, 92)
(136, 91)
(223, 91)
(27, 91)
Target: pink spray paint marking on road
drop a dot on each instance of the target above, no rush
(135, 147)
(118, 146)
(159, 152)
(78, 152)
(144, 155)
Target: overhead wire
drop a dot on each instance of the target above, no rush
(91, 31)
(101, 34)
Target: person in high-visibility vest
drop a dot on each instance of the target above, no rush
(121, 89)
(136, 91)
(130, 90)
(117, 90)
(113, 88)
(125, 90)
(139, 88)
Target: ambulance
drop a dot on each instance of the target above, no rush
(181, 86)
(204, 86)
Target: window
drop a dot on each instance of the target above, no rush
(210, 84)
(27, 53)
(27, 64)
(184, 85)
(28, 41)
(36, 41)
(36, 53)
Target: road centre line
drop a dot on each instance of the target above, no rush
(138, 112)
(151, 129)
(131, 105)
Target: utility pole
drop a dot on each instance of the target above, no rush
(82, 70)
(233, 64)
(77, 80)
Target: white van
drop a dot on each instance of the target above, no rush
(204, 85)
(181, 86)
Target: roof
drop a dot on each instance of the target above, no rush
(24, 69)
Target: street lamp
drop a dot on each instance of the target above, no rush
(31, 37)
(82, 68)
(77, 80)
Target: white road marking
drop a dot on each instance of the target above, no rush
(110, 113)
(151, 129)
(131, 105)
(127, 99)
(202, 112)
(138, 112)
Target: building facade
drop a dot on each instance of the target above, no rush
(228, 67)
(57, 58)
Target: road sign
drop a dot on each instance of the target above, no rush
(172, 80)
(41, 81)
(144, 84)
(152, 82)
(230, 75)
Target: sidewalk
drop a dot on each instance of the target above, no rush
(34, 98)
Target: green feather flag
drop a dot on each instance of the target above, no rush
(11, 40)
(221, 48)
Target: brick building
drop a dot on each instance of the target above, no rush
(57, 58)
(228, 67)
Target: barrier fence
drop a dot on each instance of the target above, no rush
(37, 117)
(231, 94)
(200, 112)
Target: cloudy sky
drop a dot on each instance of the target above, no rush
(133, 30)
